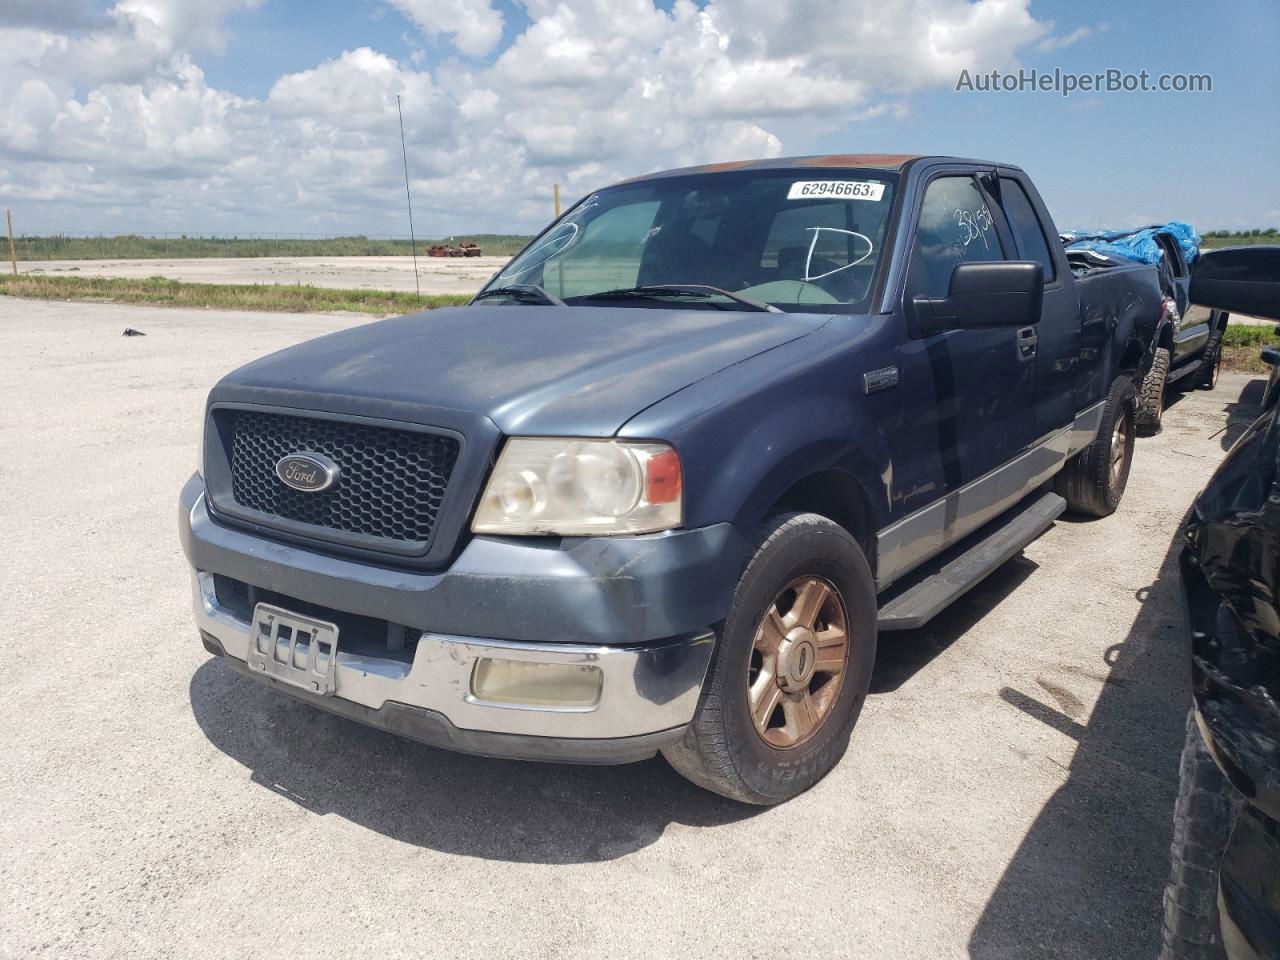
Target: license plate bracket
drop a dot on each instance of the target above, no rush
(294, 649)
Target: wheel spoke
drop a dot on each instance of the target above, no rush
(772, 630)
(833, 636)
(810, 597)
(763, 697)
(801, 717)
(830, 660)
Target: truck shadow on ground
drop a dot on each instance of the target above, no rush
(472, 806)
(499, 809)
(1088, 878)
(902, 654)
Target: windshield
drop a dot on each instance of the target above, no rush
(798, 240)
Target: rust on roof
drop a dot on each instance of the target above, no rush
(883, 160)
(878, 161)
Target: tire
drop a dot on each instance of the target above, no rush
(1090, 482)
(1202, 820)
(1151, 395)
(1206, 378)
(725, 750)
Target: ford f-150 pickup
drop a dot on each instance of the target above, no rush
(667, 478)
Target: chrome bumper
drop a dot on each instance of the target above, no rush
(648, 696)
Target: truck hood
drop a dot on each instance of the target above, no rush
(570, 371)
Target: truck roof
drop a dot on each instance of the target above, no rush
(874, 161)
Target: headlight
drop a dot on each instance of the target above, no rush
(581, 487)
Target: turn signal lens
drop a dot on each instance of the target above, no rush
(545, 486)
(662, 480)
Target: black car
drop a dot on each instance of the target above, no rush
(1223, 897)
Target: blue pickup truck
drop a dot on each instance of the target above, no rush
(1186, 337)
(665, 481)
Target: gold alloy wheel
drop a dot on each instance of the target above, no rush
(798, 662)
(1119, 448)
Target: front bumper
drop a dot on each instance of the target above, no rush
(638, 609)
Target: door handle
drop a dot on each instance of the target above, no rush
(1027, 341)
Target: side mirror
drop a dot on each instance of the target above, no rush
(1003, 293)
(1239, 280)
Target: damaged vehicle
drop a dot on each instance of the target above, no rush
(1184, 338)
(668, 479)
(1223, 898)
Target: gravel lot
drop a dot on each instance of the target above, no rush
(1008, 793)
(461, 275)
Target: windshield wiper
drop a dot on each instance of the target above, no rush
(699, 290)
(527, 292)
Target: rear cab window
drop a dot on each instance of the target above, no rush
(1028, 231)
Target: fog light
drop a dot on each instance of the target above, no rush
(536, 684)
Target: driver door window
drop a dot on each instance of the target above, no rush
(955, 227)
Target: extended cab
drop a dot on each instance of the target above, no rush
(668, 477)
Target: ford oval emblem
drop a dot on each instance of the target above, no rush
(308, 472)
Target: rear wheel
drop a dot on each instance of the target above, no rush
(791, 669)
(1151, 396)
(1094, 480)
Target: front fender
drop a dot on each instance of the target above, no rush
(750, 432)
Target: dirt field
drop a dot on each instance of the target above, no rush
(1008, 793)
(461, 275)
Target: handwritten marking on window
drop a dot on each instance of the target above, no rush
(974, 225)
(813, 244)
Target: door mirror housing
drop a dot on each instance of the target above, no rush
(1239, 280)
(1001, 293)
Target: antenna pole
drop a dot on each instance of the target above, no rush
(413, 242)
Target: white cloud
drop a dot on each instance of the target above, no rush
(1063, 40)
(120, 117)
(474, 25)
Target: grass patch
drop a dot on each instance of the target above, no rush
(133, 247)
(160, 291)
(1242, 347)
(1238, 335)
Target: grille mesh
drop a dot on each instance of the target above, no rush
(389, 486)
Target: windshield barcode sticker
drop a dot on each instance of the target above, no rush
(835, 190)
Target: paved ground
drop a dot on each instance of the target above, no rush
(1008, 793)
(435, 274)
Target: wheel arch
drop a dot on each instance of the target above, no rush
(838, 495)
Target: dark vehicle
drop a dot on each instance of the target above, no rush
(665, 480)
(1185, 339)
(1224, 891)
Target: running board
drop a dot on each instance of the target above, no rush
(919, 603)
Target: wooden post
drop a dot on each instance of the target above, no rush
(13, 251)
(557, 193)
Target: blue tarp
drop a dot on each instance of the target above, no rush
(1139, 244)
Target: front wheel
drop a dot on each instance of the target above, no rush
(791, 669)
(1093, 481)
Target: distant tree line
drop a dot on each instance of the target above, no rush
(1269, 232)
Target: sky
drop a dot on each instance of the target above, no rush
(279, 116)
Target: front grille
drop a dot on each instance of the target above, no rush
(390, 482)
